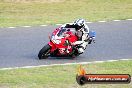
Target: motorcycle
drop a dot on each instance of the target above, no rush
(61, 44)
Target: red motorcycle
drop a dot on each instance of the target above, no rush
(60, 44)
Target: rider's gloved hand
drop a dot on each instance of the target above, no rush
(92, 39)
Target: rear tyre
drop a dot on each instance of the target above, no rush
(44, 52)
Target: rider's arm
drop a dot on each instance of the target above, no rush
(86, 29)
(70, 25)
(85, 33)
(82, 39)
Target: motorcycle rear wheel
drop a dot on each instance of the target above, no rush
(44, 52)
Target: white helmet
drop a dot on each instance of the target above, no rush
(79, 22)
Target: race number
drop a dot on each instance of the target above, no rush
(62, 50)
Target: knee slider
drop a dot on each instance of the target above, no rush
(80, 50)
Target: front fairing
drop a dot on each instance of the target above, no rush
(58, 41)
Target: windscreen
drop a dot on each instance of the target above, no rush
(62, 32)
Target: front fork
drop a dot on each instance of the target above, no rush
(52, 45)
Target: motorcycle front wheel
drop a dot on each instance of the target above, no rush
(44, 52)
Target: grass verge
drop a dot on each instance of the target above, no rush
(62, 76)
(37, 12)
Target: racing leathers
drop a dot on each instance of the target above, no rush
(82, 34)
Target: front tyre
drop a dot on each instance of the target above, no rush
(44, 52)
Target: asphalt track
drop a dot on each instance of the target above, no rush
(20, 46)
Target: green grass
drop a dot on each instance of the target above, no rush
(62, 76)
(29, 12)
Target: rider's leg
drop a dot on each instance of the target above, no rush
(82, 47)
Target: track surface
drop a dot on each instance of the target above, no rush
(20, 46)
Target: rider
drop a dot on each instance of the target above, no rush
(82, 32)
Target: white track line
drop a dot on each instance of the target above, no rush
(116, 20)
(128, 19)
(86, 22)
(102, 21)
(125, 59)
(26, 26)
(43, 25)
(99, 61)
(63, 64)
(11, 27)
(58, 24)
(89, 22)
(111, 60)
